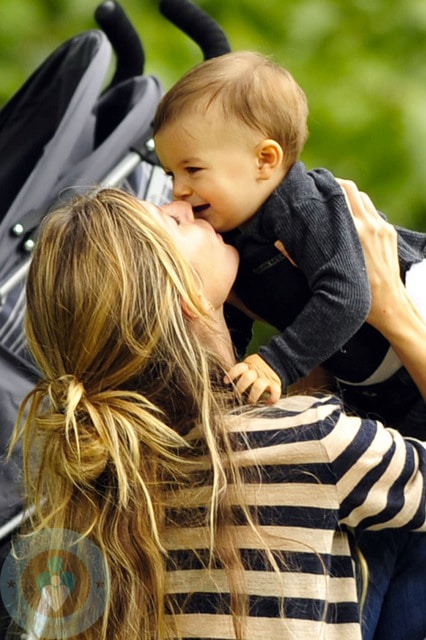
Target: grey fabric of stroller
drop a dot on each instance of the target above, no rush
(32, 117)
(16, 381)
(41, 129)
(46, 127)
(72, 133)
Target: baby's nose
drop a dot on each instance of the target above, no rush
(181, 189)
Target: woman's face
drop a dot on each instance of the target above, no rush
(215, 261)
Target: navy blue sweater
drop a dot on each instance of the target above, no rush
(321, 306)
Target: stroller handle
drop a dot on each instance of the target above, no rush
(198, 25)
(125, 41)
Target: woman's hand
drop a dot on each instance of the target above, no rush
(393, 313)
(380, 244)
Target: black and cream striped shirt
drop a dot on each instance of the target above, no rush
(318, 474)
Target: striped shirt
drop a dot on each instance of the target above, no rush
(318, 474)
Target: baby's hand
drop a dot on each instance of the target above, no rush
(255, 374)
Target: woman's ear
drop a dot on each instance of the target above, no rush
(269, 157)
(187, 312)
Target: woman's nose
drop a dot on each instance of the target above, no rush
(179, 209)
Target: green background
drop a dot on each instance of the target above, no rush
(362, 64)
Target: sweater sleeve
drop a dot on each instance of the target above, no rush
(380, 476)
(318, 233)
(370, 476)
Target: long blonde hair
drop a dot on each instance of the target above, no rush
(124, 379)
(250, 89)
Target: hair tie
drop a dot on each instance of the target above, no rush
(65, 393)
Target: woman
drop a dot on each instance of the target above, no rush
(216, 520)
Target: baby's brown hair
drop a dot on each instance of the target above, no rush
(248, 86)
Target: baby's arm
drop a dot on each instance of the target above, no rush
(320, 237)
(317, 235)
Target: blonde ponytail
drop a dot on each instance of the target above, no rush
(124, 381)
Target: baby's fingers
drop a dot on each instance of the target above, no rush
(274, 392)
(242, 376)
(248, 380)
(265, 391)
(258, 391)
(235, 371)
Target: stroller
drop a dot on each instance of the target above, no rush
(62, 133)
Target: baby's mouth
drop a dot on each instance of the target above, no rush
(199, 209)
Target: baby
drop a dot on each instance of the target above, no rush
(230, 133)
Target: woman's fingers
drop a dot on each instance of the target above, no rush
(380, 245)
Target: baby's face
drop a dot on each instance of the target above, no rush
(214, 167)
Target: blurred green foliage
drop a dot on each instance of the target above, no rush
(362, 64)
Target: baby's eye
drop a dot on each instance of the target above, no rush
(192, 169)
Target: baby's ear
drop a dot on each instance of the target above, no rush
(269, 156)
